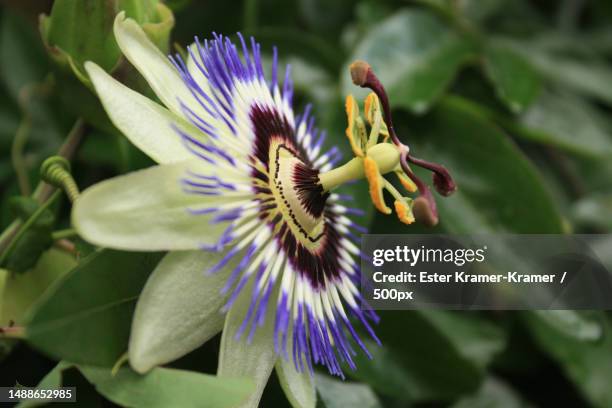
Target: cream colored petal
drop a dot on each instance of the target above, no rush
(298, 386)
(254, 360)
(146, 210)
(144, 122)
(154, 66)
(178, 309)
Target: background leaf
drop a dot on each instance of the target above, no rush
(163, 387)
(86, 318)
(414, 54)
(443, 355)
(22, 290)
(516, 82)
(587, 364)
(487, 166)
(338, 394)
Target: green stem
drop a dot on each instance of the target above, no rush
(120, 362)
(26, 225)
(23, 131)
(19, 163)
(65, 233)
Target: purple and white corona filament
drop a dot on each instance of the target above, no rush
(282, 225)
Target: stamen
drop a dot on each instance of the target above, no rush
(363, 76)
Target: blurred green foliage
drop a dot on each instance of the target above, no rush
(514, 97)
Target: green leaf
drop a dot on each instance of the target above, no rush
(415, 56)
(601, 247)
(498, 188)
(86, 318)
(473, 337)
(492, 394)
(585, 76)
(35, 240)
(22, 58)
(444, 356)
(575, 324)
(325, 16)
(294, 41)
(82, 31)
(481, 10)
(21, 291)
(166, 387)
(384, 373)
(516, 82)
(143, 11)
(569, 122)
(594, 210)
(587, 364)
(53, 379)
(79, 31)
(340, 394)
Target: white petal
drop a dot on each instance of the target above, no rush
(255, 360)
(146, 211)
(144, 122)
(154, 66)
(178, 309)
(298, 387)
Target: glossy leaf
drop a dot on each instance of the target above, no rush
(76, 32)
(444, 356)
(578, 325)
(21, 291)
(52, 380)
(81, 31)
(339, 394)
(516, 83)
(567, 121)
(386, 374)
(583, 76)
(22, 57)
(86, 318)
(492, 394)
(414, 54)
(474, 337)
(595, 211)
(165, 387)
(487, 167)
(588, 365)
(35, 240)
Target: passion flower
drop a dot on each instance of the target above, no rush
(243, 196)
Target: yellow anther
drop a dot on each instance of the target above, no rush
(404, 213)
(406, 182)
(372, 111)
(374, 181)
(353, 129)
(371, 102)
